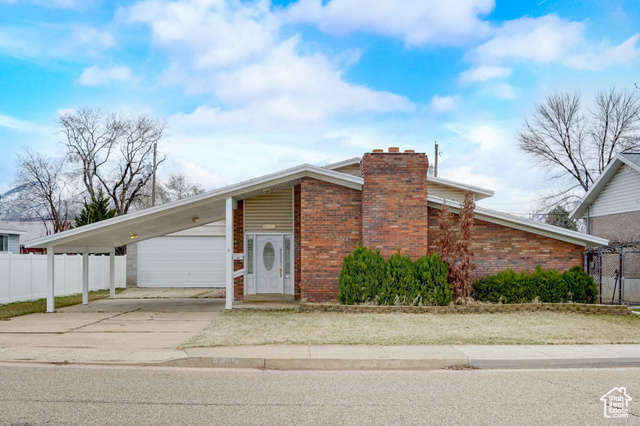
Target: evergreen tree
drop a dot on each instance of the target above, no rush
(559, 216)
(95, 211)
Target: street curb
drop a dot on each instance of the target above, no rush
(546, 363)
(388, 364)
(316, 364)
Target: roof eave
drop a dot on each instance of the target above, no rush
(528, 225)
(234, 191)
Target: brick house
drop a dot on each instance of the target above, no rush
(288, 232)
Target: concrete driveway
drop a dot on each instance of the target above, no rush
(140, 324)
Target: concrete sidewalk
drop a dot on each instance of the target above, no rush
(151, 330)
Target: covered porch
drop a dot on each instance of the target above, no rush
(106, 236)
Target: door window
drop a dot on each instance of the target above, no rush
(268, 256)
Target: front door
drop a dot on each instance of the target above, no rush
(269, 262)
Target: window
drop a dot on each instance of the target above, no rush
(4, 243)
(249, 264)
(268, 256)
(287, 256)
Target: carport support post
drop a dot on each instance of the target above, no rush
(50, 278)
(112, 274)
(229, 254)
(85, 278)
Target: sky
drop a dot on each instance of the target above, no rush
(252, 87)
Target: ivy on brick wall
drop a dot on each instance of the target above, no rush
(366, 277)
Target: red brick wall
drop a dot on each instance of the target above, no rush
(330, 228)
(394, 203)
(238, 247)
(497, 247)
(296, 241)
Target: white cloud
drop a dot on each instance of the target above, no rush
(501, 91)
(20, 125)
(42, 41)
(416, 22)
(484, 73)
(235, 51)
(209, 34)
(483, 153)
(88, 35)
(545, 40)
(604, 55)
(466, 175)
(95, 76)
(444, 103)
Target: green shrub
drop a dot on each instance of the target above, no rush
(547, 286)
(433, 289)
(361, 275)
(580, 285)
(504, 287)
(400, 285)
(367, 277)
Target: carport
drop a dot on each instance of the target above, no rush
(105, 236)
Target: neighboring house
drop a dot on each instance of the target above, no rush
(10, 238)
(611, 207)
(288, 232)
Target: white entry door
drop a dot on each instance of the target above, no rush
(269, 264)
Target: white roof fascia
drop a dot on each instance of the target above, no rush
(236, 190)
(592, 194)
(12, 231)
(344, 163)
(528, 225)
(486, 193)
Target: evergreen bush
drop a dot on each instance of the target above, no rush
(367, 277)
(547, 286)
(362, 273)
(581, 285)
(433, 287)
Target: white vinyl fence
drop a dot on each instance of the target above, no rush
(24, 276)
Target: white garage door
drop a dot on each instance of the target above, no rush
(181, 262)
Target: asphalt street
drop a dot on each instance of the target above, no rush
(110, 395)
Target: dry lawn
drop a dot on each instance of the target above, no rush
(527, 328)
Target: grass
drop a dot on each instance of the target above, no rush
(34, 306)
(526, 328)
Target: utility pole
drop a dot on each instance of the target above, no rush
(435, 167)
(153, 181)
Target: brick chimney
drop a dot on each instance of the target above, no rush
(394, 202)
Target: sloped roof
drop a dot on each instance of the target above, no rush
(528, 225)
(631, 159)
(8, 228)
(210, 207)
(178, 215)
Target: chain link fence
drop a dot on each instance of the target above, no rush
(616, 271)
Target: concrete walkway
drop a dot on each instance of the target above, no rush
(146, 327)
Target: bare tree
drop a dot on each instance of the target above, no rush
(178, 187)
(113, 152)
(45, 194)
(90, 135)
(575, 147)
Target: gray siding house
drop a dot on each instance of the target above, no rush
(611, 207)
(10, 238)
